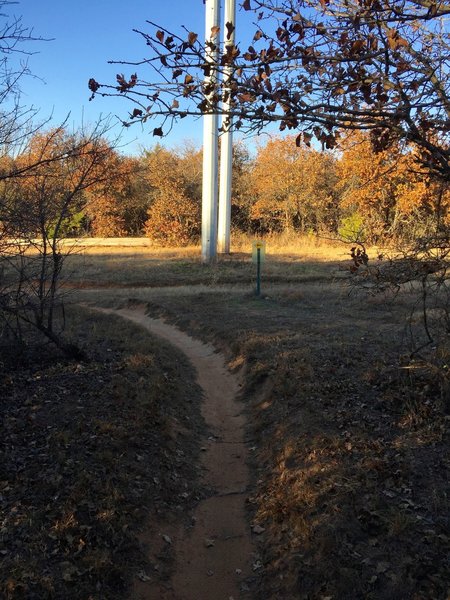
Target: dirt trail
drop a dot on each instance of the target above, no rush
(214, 557)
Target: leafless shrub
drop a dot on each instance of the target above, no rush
(421, 271)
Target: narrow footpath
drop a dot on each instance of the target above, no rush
(214, 556)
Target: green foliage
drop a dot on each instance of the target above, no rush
(70, 225)
(351, 228)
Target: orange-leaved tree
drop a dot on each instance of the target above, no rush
(388, 191)
(175, 180)
(42, 193)
(294, 188)
(107, 199)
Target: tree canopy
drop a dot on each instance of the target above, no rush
(315, 67)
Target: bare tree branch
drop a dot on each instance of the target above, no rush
(315, 68)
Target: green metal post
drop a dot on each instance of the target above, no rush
(258, 271)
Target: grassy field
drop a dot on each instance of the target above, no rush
(349, 442)
(127, 266)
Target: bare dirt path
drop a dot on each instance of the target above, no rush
(214, 556)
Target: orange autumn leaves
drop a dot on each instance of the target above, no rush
(294, 188)
(310, 191)
(62, 180)
(85, 186)
(389, 189)
(175, 181)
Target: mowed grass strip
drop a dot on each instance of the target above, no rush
(119, 265)
(90, 452)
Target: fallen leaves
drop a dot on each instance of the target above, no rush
(343, 486)
(258, 529)
(80, 468)
(142, 575)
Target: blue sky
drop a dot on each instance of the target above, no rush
(86, 34)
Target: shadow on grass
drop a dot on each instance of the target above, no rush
(106, 270)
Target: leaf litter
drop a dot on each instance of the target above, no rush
(350, 456)
(90, 451)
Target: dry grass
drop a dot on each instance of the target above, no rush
(122, 264)
(350, 454)
(299, 247)
(343, 471)
(295, 246)
(137, 262)
(305, 246)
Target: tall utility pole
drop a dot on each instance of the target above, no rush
(210, 138)
(226, 148)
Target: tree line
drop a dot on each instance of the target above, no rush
(76, 185)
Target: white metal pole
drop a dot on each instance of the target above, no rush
(210, 141)
(226, 148)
